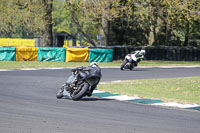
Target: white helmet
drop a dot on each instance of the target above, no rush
(142, 52)
(93, 64)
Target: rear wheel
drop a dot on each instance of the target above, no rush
(80, 92)
(123, 64)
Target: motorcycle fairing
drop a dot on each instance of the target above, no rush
(66, 94)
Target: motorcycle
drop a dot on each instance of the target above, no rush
(131, 60)
(128, 63)
(79, 84)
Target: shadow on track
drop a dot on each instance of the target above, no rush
(89, 99)
(135, 70)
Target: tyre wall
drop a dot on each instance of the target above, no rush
(161, 53)
(100, 55)
(26, 54)
(97, 54)
(7, 54)
(51, 54)
(77, 54)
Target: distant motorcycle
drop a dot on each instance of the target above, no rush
(81, 83)
(131, 60)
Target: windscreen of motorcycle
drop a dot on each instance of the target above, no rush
(71, 77)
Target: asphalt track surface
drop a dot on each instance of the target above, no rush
(28, 105)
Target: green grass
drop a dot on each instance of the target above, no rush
(169, 63)
(183, 90)
(32, 64)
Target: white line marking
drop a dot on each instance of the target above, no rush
(122, 97)
(5, 70)
(28, 69)
(176, 105)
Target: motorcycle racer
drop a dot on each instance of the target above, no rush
(93, 70)
(131, 60)
(137, 56)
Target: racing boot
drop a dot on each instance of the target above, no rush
(89, 93)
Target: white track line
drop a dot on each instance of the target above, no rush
(171, 104)
(122, 97)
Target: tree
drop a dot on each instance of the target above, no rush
(182, 17)
(46, 33)
(41, 11)
(10, 19)
(31, 16)
(121, 22)
(94, 14)
(62, 19)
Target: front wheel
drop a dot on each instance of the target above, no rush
(59, 95)
(123, 64)
(80, 92)
(131, 67)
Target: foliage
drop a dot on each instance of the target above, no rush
(25, 18)
(119, 22)
(132, 27)
(91, 17)
(19, 21)
(62, 18)
(183, 16)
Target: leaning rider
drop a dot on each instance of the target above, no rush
(93, 69)
(137, 56)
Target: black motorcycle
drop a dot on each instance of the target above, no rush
(81, 83)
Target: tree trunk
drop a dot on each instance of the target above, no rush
(167, 29)
(46, 33)
(104, 31)
(46, 36)
(187, 28)
(151, 38)
(187, 33)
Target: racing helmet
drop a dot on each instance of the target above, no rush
(93, 64)
(142, 52)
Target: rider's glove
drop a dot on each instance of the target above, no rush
(73, 70)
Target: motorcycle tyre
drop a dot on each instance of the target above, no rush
(123, 64)
(59, 95)
(83, 91)
(131, 68)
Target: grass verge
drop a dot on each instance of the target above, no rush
(32, 64)
(182, 90)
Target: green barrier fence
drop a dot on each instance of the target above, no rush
(100, 55)
(51, 54)
(57, 54)
(7, 54)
